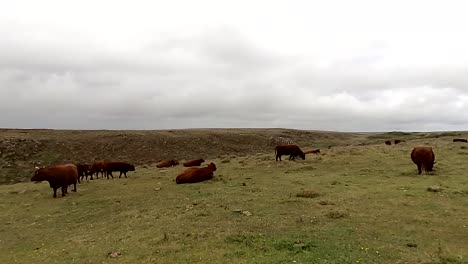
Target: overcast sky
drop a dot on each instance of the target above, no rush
(326, 65)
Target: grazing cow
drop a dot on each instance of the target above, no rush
(122, 167)
(84, 170)
(292, 150)
(388, 142)
(167, 163)
(193, 175)
(424, 158)
(192, 163)
(98, 167)
(59, 176)
(398, 141)
(460, 140)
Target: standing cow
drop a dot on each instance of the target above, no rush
(59, 176)
(424, 158)
(122, 167)
(292, 150)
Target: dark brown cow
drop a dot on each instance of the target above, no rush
(292, 150)
(59, 176)
(84, 170)
(192, 163)
(193, 175)
(460, 140)
(388, 142)
(313, 151)
(424, 158)
(98, 167)
(397, 141)
(167, 163)
(122, 167)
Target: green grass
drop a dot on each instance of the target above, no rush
(370, 204)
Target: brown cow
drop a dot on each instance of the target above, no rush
(122, 167)
(398, 141)
(192, 163)
(84, 170)
(460, 140)
(167, 163)
(59, 176)
(193, 175)
(292, 150)
(424, 158)
(98, 167)
(313, 151)
(388, 142)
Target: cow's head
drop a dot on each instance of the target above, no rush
(212, 166)
(39, 174)
(302, 155)
(174, 162)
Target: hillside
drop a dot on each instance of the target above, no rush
(350, 204)
(20, 149)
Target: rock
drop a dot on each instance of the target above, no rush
(412, 245)
(114, 254)
(434, 189)
(247, 213)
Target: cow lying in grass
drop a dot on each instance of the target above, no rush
(193, 175)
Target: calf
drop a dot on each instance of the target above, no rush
(192, 163)
(292, 150)
(388, 142)
(193, 175)
(122, 167)
(59, 176)
(424, 158)
(167, 163)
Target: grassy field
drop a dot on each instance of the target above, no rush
(351, 204)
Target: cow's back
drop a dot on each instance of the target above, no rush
(423, 157)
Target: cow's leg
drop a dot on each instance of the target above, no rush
(120, 175)
(64, 190)
(79, 179)
(74, 186)
(419, 169)
(55, 192)
(125, 174)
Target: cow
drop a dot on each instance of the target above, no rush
(460, 140)
(388, 142)
(193, 175)
(313, 151)
(84, 170)
(167, 163)
(397, 141)
(59, 176)
(424, 158)
(122, 167)
(292, 150)
(192, 163)
(98, 167)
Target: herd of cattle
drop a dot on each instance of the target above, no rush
(61, 176)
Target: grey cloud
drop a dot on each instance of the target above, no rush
(220, 79)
